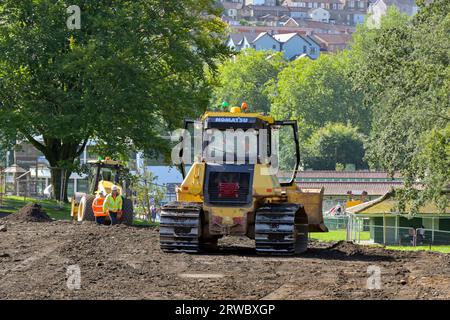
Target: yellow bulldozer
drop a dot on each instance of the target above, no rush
(239, 197)
(103, 174)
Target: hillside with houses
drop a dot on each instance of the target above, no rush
(323, 25)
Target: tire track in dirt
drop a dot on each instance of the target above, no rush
(27, 262)
(127, 263)
(8, 276)
(282, 293)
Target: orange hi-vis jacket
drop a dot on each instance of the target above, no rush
(97, 207)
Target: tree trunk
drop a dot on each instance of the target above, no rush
(59, 190)
(61, 156)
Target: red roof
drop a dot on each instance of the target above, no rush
(330, 39)
(342, 188)
(360, 174)
(293, 3)
(232, 5)
(304, 28)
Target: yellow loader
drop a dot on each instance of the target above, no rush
(239, 197)
(103, 174)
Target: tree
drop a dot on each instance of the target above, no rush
(146, 189)
(129, 75)
(363, 70)
(406, 76)
(247, 78)
(316, 92)
(335, 145)
(434, 162)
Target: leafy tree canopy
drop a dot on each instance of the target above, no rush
(405, 74)
(333, 145)
(316, 92)
(132, 71)
(247, 78)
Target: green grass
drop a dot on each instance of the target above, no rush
(443, 249)
(13, 203)
(336, 235)
(144, 223)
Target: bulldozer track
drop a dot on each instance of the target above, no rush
(180, 227)
(275, 230)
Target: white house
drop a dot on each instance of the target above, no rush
(319, 14)
(261, 2)
(292, 45)
(231, 9)
(379, 8)
(264, 41)
(239, 41)
(234, 41)
(247, 40)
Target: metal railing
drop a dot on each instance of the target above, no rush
(336, 222)
(396, 235)
(363, 230)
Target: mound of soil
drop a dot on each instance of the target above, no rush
(32, 212)
(349, 248)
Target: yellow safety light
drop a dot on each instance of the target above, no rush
(235, 110)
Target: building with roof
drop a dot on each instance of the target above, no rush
(332, 42)
(292, 45)
(341, 187)
(13, 175)
(254, 12)
(319, 14)
(230, 21)
(313, 27)
(387, 224)
(232, 9)
(378, 8)
(234, 41)
(265, 41)
(350, 12)
(261, 2)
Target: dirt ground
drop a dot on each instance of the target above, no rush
(126, 263)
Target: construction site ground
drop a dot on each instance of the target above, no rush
(126, 263)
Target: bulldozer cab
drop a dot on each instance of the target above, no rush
(105, 173)
(263, 141)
